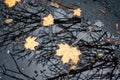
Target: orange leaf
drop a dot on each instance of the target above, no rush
(11, 3)
(72, 67)
(48, 21)
(77, 12)
(68, 53)
(31, 43)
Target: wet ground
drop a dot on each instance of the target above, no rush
(106, 11)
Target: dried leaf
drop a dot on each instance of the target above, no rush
(77, 12)
(73, 67)
(117, 26)
(11, 3)
(48, 21)
(30, 43)
(68, 53)
(8, 21)
(102, 11)
(118, 32)
(54, 4)
(100, 54)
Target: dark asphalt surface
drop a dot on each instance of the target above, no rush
(91, 11)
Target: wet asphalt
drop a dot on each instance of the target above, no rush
(91, 10)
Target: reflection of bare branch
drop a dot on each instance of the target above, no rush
(68, 29)
(19, 71)
(76, 71)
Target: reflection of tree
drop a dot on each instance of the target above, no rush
(27, 18)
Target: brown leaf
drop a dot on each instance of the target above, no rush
(102, 11)
(117, 26)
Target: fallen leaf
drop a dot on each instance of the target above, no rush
(54, 4)
(73, 67)
(8, 21)
(48, 21)
(118, 32)
(100, 54)
(68, 53)
(11, 3)
(117, 26)
(102, 11)
(30, 43)
(77, 12)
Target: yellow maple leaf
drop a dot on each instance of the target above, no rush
(77, 12)
(11, 3)
(48, 21)
(68, 53)
(8, 21)
(30, 43)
